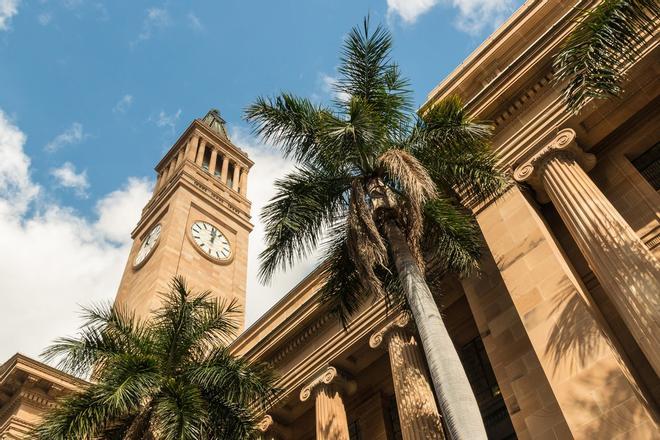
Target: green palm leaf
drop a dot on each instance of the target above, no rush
(605, 40)
(170, 377)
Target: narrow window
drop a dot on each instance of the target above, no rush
(207, 159)
(648, 165)
(230, 175)
(218, 166)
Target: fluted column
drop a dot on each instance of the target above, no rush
(225, 169)
(212, 161)
(191, 149)
(327, 388)
(418, 412)
(200, 152)
(624, 266)
(237, 174)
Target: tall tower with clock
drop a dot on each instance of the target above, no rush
(197, 221)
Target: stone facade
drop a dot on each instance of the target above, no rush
(558, 334)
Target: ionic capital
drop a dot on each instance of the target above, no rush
(265, 423)
(376, 339)
(274, 429)
(564, 144)
(328, 376)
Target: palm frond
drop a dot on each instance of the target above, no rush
(307, 200)
(605, 39)
(408, 172)
(79, 416)
(237, 379)
(180, 412)
(455, 149)
(367, 72)
(452, 238)
(295, 125)
(342, 290)
(108, 331)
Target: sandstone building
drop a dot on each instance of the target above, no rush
(551, 347)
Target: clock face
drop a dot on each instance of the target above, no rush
(210, 240)
(148, 245)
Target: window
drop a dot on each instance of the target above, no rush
(218, 166)
(230, 175)
(354, 431)
(648, 165)
(207, 159)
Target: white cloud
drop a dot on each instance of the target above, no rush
(165, 120)
(409, 10)
(268, 166)
(8, 8)
(123, 104)
(473, 15)
(16, 187)
(195, 22)
(52, 258)
(113, 207)
(72, 135)
(329, 87)
(44, 18)
(67, 177)
(157, 18)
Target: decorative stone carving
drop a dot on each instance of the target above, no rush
(265, 423)
(330, 375)
(418, 412)
(564, 143)
(328, 387)
(271, 429)
(377, 338)
(624, 266)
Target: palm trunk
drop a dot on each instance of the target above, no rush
(457, 402)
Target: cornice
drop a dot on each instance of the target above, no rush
(334, 347)
(281, 319)
(482, 81)
(189, 177)
(20, 362)
(239, 155)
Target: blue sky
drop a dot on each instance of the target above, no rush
(93, 93)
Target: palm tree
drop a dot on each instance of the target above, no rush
(605, 40)
(170, 377)
(372, 180)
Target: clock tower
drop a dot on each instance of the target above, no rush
(196, 224)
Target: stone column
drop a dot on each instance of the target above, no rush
(225, 169)
(200, 152)
(418, 412)
(191, 149)
(271, 429)
(244, 176)
(328, 387)
(624, 266)
(181, 156)
(237, 174)
(212, 161)
(159, 183)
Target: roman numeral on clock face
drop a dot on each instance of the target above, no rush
(210, 240)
